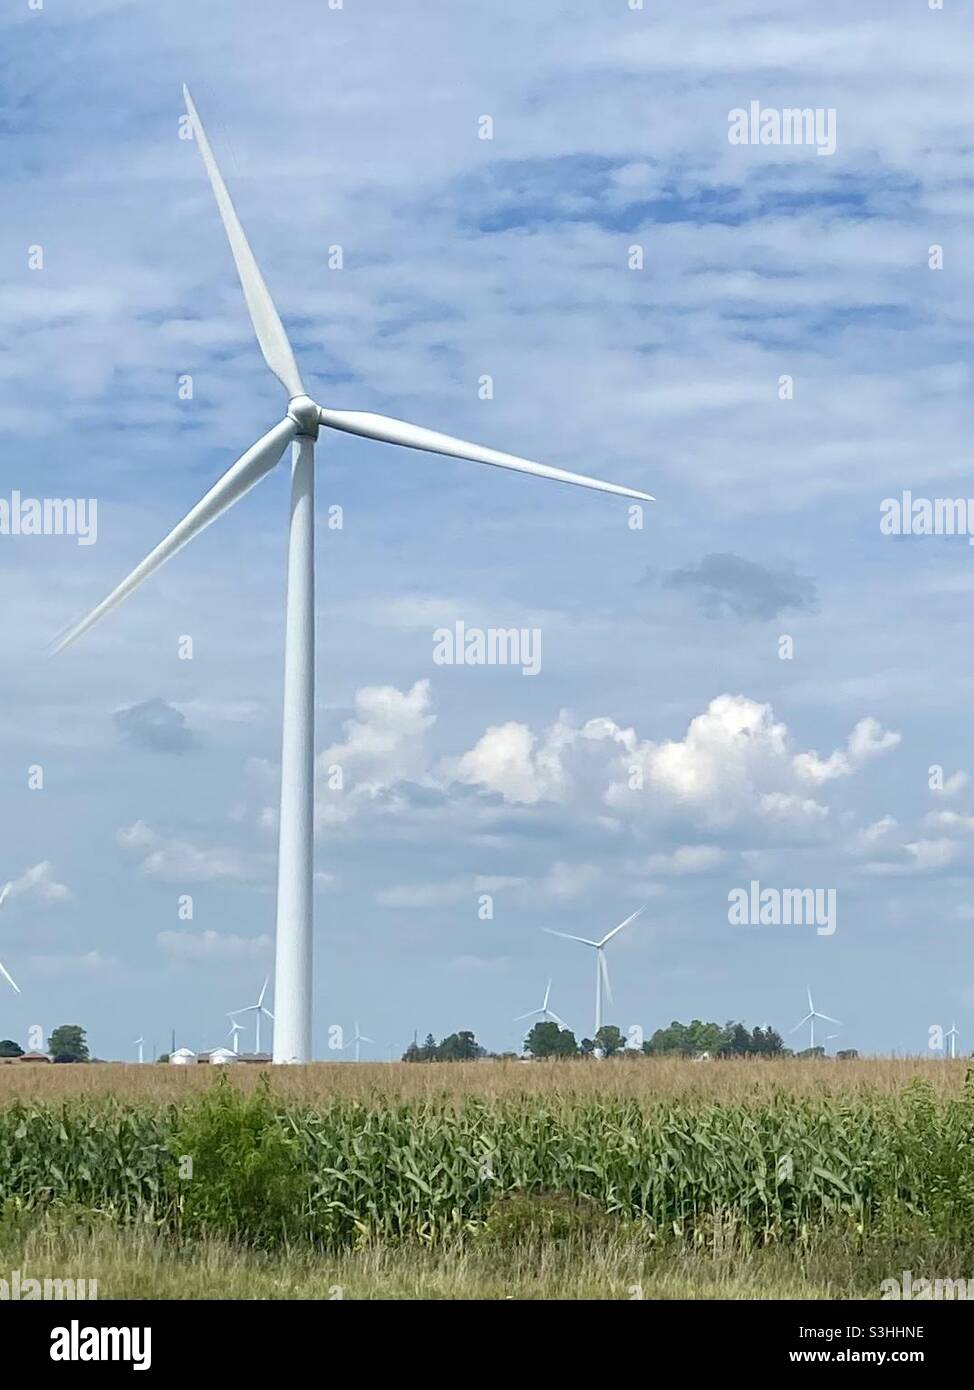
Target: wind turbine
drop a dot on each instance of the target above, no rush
(810, 1018)
(952, 1034)
(358, 1039)
(255, 1009)
(601, 969)
(546, 1013)
(235, 1028)
(4, 893)
(299, 428)
(138, 1043)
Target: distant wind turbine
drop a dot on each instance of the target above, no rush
(4, 894)
(953, 1035)
(810, 1018)
(358, 1040)
(235, 1028)
(255, 1009)
(601, 969)
(299, 428)
(138, 1043)
(545, 1013)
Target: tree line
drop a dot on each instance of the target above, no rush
(694, 1039)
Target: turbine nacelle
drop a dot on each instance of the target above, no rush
(306, 416)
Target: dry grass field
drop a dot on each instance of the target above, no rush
(639, 1079)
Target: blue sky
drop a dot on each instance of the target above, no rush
(509, 257)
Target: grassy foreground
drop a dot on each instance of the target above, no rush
(144, 1264)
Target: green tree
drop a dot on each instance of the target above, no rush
(8, 1048)
(548, 1040)
(459, 1047)
(69, 1043)
(609, 1040)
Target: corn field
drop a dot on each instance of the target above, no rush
(263, 1168)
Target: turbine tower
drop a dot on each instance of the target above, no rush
(4, 893)
(138, 1043)
(810, 1018)
(547, 1015)
(255, 1009)
(235, 1028)
(299, 428)
(952, 1034)
(601, 969)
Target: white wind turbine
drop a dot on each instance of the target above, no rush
(138, 1043)
(601, 969)
(953, 1035)
(255, 1009)
(546, 1014)
(299, 428)
(235, 1028)
(358, 1040)
(810, 1018)
(4, 894)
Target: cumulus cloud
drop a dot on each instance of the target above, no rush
(384, 748)
(38, 881)
(867, 740)
(953, 784)
(156, 725)
(734, 765)
(212, 945)
(729, 584)
(922, 857)
(180, 861)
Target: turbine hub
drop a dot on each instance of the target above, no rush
(303, 411)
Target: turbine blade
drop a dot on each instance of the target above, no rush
(605, 977)
(390, 431)
(267, 325)
(9, 978)
(4, 893)
(547, 995)
(800, 1024)
(828, 1018)
(555, 1019)
(236, 481)
(530, 1014)
(615, 930)
(263, 990)
(363, 1038)
(568, 937)
(267, 1014)
(811, 1006)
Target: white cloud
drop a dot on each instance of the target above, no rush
(421, 895)
(923, 856)
(384, 745)
(180, 861)
(40, 882)
(212, 945)
(867, 740)
(953, 784)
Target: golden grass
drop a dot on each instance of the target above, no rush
(640, 1079)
